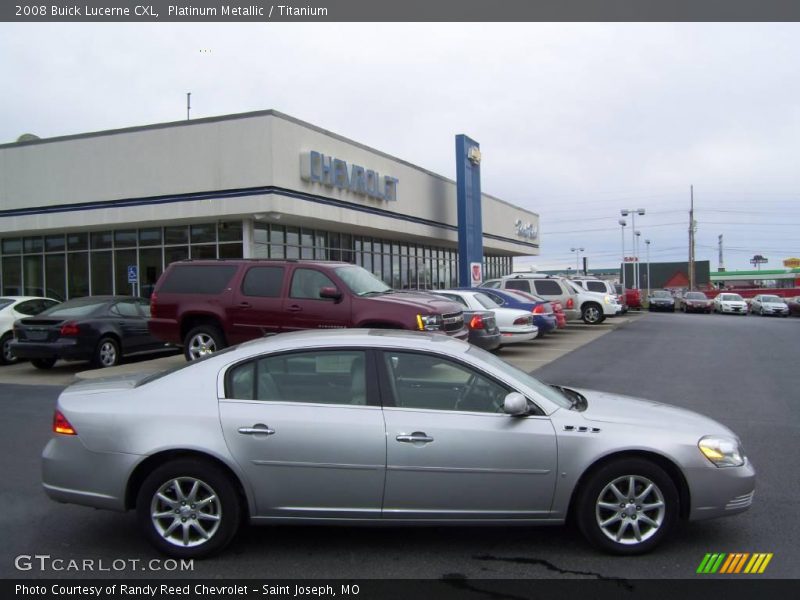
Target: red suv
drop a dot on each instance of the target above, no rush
(209, 304)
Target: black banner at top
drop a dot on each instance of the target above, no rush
(398, 10)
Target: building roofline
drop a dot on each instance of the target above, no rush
(236, 116)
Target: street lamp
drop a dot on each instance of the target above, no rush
(633, 212)
(636, 251)
(577, 252)
(622, 223)
(647, 244)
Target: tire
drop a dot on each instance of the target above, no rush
(218, 512)
(6, 358)
(592, 313)
(599, 502)
(107, 353)
(202, 341)
(43, 363)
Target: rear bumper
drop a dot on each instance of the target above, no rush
(166, 330)
(68, 349)
(512, 335)
(482, 339)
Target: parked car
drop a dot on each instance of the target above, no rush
(601, 286)
(794, 305)
(696, 302)
(542, 310)
(209, 304)
(633, 298)
(11, 309)
(768, 304)
(730, 303)
(558, 311)
(545, 286)
(595, 307)
(398, 428)
(660, 300)
(483, 330)
(515, 325)
(621, 297)
(101, 329)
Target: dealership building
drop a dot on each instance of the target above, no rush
(105, 212)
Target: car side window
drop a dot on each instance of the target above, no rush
(596, 286)
(319, 377)
(518, 284)
(126, 308)
(143, 306)
(547, 287)
(430, 382)
(306, 283)
(497, 298)
(265, 282)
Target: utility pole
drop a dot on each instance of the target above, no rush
(721, 266)
(691, 238)
(188, 104)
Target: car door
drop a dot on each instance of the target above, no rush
(307, 429)
(131, 325)
(257, 307)
(451, 450)
(304, 308)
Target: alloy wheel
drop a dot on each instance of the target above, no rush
(107, 354)
(630, 510)
(201, 345)
(186, 512)
(8, 357)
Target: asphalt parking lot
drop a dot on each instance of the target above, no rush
(738, 370)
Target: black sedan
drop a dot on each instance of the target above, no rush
(660, 300)
(101, 329)
(483, 330)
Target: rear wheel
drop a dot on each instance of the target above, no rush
(201, 341)
(43, 363)
(107, 353)
(627, 506)
(6, 358)
(188, 508)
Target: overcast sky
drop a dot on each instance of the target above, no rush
(575, 121)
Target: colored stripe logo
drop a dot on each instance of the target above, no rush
(734, 563)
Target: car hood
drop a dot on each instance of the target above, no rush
(733, 302)
(435, 304)
(774, 304)
(614, 408)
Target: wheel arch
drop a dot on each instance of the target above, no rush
(669, 467)
(152, 462)
(191, 320)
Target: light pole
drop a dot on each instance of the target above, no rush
(633, 212)
(636, 251)
(647, 244)
(577, 252)
(622, 223)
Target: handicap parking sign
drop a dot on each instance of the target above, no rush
(133, 274)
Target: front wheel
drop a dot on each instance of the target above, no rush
(592, 314)
(202, 341)
(6, 357)
(188, 508)
(627, 506)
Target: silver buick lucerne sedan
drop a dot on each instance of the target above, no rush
(367, 426)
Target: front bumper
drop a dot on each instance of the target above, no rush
(774, 311)
(666, 306)
(717, 492)
(735, 310)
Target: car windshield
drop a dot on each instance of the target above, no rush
(527, 380)
(486, 302)
(770, 299)
(696, 296)
(80, 307)
(360, 281)
(661, 294)
(732, 298)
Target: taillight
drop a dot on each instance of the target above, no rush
(153, 299)
(476, 322)
(522, 321)
(61, 425)
(70, 328)
(570, 303)
(538, 309)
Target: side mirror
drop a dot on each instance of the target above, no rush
(515, 404)
(330, 293)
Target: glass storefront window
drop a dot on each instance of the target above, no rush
(54, 243)
(231, 250)
(125, 238)
(230, 231)
(102, 273)
(204, 252)
(33, 275)
(202, 233)
(12, 246)
(101, 239)
(122, 260)
(150, 237)
(55, 276)
(32, 244)
(78, 269)
(12, 275)
(175, 253)
(77, 241)
(176, 235)
(149, 270)
(260, 234)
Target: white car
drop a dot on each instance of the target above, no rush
(769, 304)
(730, 303)
(594, 306)
(515, 325)
(11, 309)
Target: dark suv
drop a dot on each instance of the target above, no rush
(206, 305)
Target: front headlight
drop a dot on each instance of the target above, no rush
(722, 451)
(429, 322)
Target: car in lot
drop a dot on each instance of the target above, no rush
(601, 286)
(769, 304)
(100, 329)
(696, 302)
(544, 286)
(391, 427)
(483, 330)
(515, 325)
(660, 300)
(621, 297)
(727, 302)
(11, 309)
(558, 311)
(543, 316)
(794, 305)
(594, 306)
(206, 305)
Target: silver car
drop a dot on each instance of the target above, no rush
(768, 304)
(365, 426)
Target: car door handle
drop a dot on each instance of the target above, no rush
(256, 429)
(294, 308)
(245, 305)
(417, 436)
